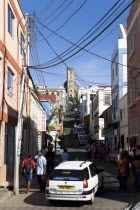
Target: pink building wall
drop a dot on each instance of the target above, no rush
(133, 74)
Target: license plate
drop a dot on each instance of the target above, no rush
(65, 187)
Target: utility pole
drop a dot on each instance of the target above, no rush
(18, 137)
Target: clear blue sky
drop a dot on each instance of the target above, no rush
(88, 67)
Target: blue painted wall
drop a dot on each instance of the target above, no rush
(46, 105)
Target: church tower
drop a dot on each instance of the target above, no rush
(70, 82)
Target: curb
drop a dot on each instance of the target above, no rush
(5, 196)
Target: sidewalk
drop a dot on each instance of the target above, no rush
(4, 194)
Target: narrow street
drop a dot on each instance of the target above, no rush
(111, 198)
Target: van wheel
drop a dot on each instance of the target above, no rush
(92, 199)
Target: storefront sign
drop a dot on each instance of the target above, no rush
(43, 121)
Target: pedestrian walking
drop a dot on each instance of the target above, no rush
(41, 170)
(136, 170)
(44, 151)
(94, 151)
(50, 157)
(89, 148)
(65, 156)
(122, 166)
(28, 166)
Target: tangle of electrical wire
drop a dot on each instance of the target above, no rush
(69, 50)
(66, 20)
(90, 43)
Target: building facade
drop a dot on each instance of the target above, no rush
(123, 123)
(133, 22)
(59, 93)
(70, 82)
(118, 80)
(85, 97)
(11, 56)
(70, 86)
(101, 102)
(107, 130)
(10, 71)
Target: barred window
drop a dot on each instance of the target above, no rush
(107, 99)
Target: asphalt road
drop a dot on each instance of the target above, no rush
(111, 198)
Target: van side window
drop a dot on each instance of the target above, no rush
(93, 170)
(86, 173)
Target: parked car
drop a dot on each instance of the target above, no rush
(135, 204)
(81, 133)
(83, 139)
(77, 130)
(74, 181)
(80, 125)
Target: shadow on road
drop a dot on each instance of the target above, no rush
(39, 199)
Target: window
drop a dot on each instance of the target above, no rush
(71, 175)
(70, 81)
(21, 43)
(107, 99)
(124, 112)
(134, 126)
(120, 113)
(116, 102)
(116, 69)
(93, 170)
(86, 173)
(10, 81)
(92, 96)
(10, 21)
(57, 93)
(113, 74)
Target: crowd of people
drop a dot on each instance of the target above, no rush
(42, 165)
(128, 163)
(129, 167)
(95, 150)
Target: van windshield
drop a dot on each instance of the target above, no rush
(67, 175)
(83, 137)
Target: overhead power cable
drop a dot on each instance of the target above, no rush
(75, 44)
(54, 51)
(55, 10)
(57, 15)
(46, 8)
(78, 78)
(35, 67)
(78, 45)
(65, 21)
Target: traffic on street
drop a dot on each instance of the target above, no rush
(70, 104)
(79, 181)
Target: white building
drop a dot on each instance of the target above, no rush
(101, 102)
(85, 96)
(118, 79)
(123, 122)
